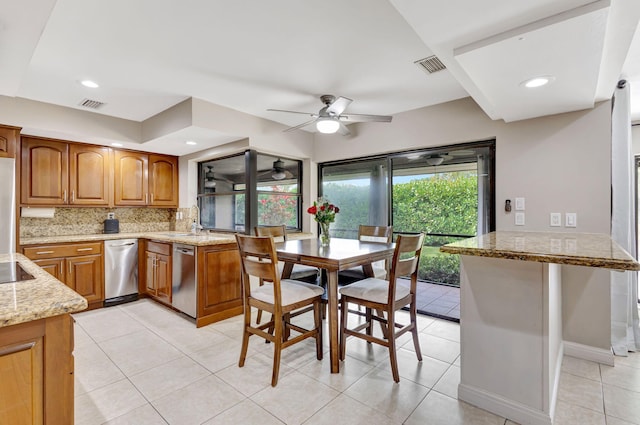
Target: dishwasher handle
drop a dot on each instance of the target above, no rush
(124, 244)
(184, 250)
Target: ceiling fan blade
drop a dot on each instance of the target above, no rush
(339, 105)
(344, 130)
(294, 112)
(365, 118)
(300, 125)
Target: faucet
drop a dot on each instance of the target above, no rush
(196, 227)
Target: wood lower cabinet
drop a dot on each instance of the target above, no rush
(36, 365)
(219, 285)
(158, 266)
(80, 266)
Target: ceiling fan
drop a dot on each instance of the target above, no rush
(278, 171)
(330, 119)
(210, 178)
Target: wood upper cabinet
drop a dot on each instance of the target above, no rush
(131, 179)
(89, 175)
(44, 172)
(8, 141)
(142, 179)
(163, 181)
(59, 173)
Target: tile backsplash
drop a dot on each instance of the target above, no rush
(87, 221)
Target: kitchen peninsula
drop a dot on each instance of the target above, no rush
(511, 315)
(36, 344)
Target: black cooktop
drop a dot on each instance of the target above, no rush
(13, 272)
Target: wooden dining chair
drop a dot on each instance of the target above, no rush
(279, 297)
(300, 272)
(366, 233)
(386, 297)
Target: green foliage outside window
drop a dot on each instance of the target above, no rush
(444, 203)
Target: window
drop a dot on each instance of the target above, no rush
(239, 192)
(446, 193)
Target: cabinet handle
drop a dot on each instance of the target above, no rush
(64, 196)
(69, 268)
(17, 348)
(73, 196)
(146, 198)
(44, 252)
(84, 249)
(152, 198)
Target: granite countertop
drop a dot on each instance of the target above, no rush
(579, 249)
(201, 239)
(38, 298)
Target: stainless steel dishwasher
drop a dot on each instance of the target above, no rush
(120, 271)
(183, 284)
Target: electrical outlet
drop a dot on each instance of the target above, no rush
(570, 220)
(520, 219)
(555, 220)
(111, 215)
(519, 204)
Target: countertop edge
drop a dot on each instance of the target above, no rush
(545, 258)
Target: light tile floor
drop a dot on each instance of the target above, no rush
(141, 363)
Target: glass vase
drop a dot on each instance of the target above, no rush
(325, 238)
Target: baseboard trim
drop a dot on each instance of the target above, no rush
(588, 352)
(499, 405)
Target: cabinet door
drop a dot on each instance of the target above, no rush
(53, 266)
(163, 180)
(89, 175)
(8, 141)
(150, 275)
(86, 276)
(131, 178)
(22, 389)
(163, 277)
(44, 172)
(219, 286)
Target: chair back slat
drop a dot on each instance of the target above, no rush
(279, 233)
(406, 259)
(380, 234)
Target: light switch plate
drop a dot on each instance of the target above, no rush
(519, 219)
(519, 204)
(555, 219)
(571, 220)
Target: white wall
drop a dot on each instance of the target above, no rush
(635, 138)
(559, 163)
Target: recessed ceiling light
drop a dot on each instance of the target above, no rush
(90, 84)
(191, 142)
(116, 144)
(537, 81)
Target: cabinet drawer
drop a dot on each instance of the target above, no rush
(159, 248)
(56, 251)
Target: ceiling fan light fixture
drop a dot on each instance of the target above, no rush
(279, 175)
(435, 159)
(327, 125)
(209, 178)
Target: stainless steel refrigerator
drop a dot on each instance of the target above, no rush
(7, 205)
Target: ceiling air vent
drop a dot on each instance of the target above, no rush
(93, 104)
(431, 64)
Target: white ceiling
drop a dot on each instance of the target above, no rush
(251, 55)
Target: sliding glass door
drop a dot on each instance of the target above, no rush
(446, 193)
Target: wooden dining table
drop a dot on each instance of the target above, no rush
(341, 254)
